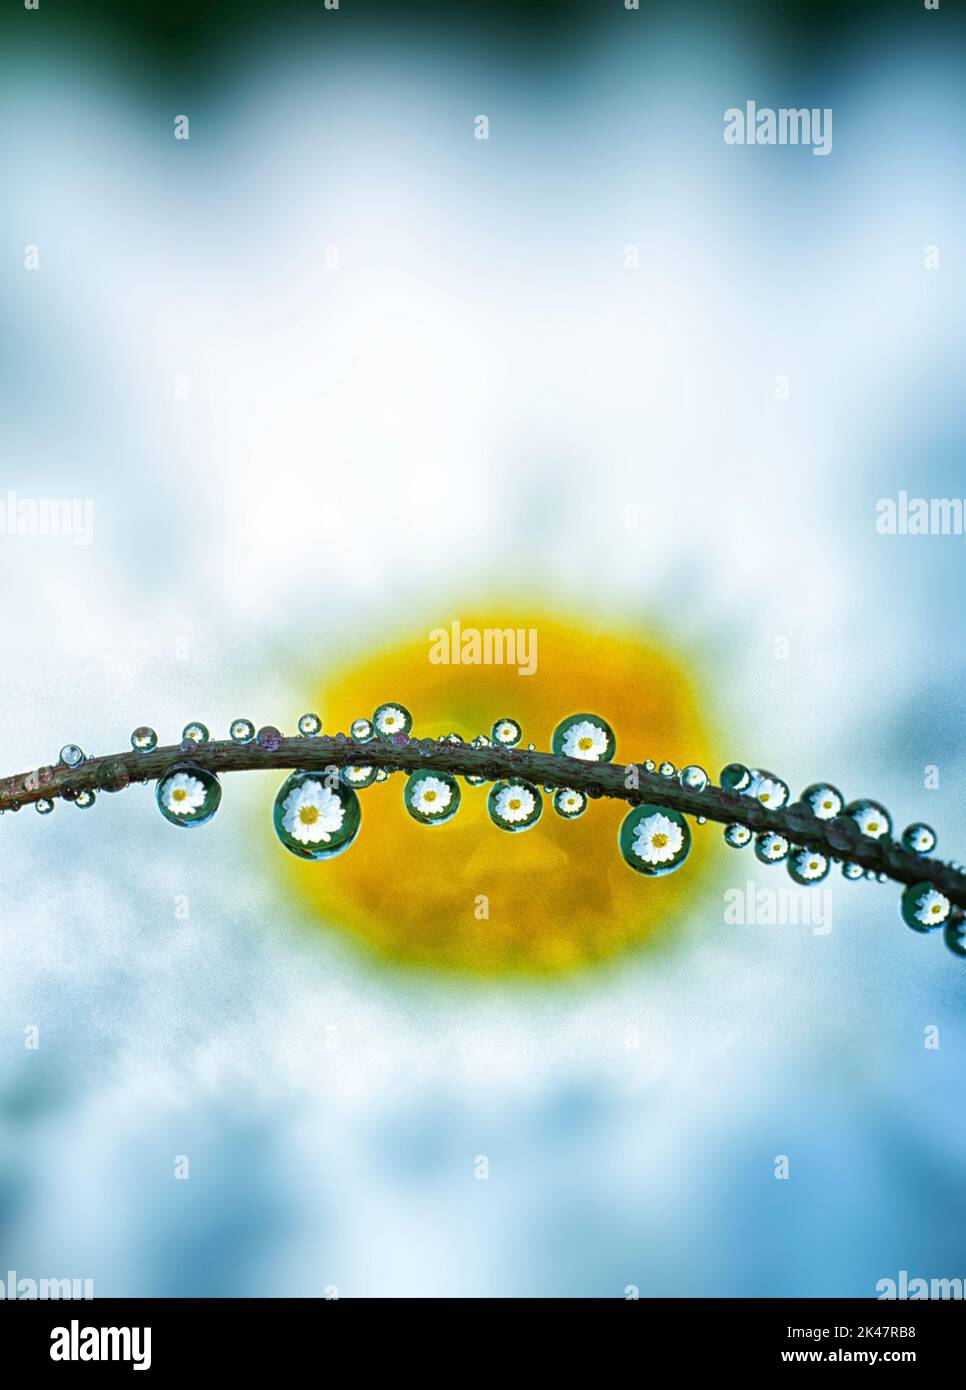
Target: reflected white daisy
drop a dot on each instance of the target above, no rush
(871, 821)
(431, 796)
(312, 813)
(932, 908)
(770, 793)
(183, 794)
(772, 847)
(570, 801)
(810, 864)
(585, 740)
(357, 774)
(657, 839)
(506, 732)
(825, 803)
(514, 804)
(391, 720)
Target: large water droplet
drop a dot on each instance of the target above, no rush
(569, 803)
(514, 804)
(310, 725)
(919, 838)
(871, 817)
(71, 755)
(144, 739)
(584, 736)
(188, 795)
(392, 719)
(194, 732)
(315, 821)
(654, 840)
(361, 730)
(807, 866)
(242, 730)
(923, 907)
(432, 798)
(737, 836)
(506, 732)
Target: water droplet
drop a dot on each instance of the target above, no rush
(514, 804)
(954, 935)
(701, 820)
(923, 907)
(44, 806)
(188, 795)
(269, 738)
(654, 840)
(310, 725)
(649, 764)
(735, 777)
(361, 730)
(770, 847)
(506, 732)
(314, 821)
(569, 803)
(427, 747)
(70, 791)
(799, 816)
(871, 817)
(382, 775)
(584, 736)
(769, 790)
(807, 866)
(390, 720)
(843, 833)
(359, 776)
(919, 838)
(694, 778)
(71, 755)
(473, 780)
(432, 798)
(144, 739)
(112, 777)
(531, 747)
(825, 801)
(85, 799)
(737, 836)
(666, 769)
(194, 733)
(453, 738)
(242, 730)
(853, 871)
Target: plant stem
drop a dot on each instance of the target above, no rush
(115, 771)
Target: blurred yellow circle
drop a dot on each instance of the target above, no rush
(466, 896)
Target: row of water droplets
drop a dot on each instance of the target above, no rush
(317, 815)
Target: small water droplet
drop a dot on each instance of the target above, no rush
(194, 733)
(654, 840)
(649, 764)
(85, 798)
(310, 725)
(871, 817)
(569, 803)
(352, 776)
(514, 804)
(71, 755)
(361, 730)
(694, 778)
(144, 739)
(769, 790)
(269, 738)
(737, 836)
(923, 907)
(666, 769)
(824, 800)
(44, 806)
(735, 777)
(850, 870)
(432, 798)
(392, 719)
(242, 730)
(770, 847)
(112, 777)
(808, 866)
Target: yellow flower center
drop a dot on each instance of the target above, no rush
(179, 794)
(429, 796)
(515, 805)
(873, 826)
(765, 796)
(936, 907)
(308, 815)
(659, 840)
(585, 743)
(813, 864)
(826, 805)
